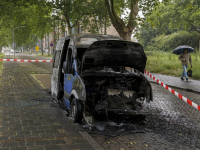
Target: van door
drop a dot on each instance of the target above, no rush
(57, 77)
(55, 72)
(69, 77)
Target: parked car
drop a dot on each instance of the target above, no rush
(16, 51)
(89, 74)
(37, 51)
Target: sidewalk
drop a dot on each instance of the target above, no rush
(176, 82)
(28, 117)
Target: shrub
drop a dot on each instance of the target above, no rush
(170, 42)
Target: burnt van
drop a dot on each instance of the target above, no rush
(91, 78)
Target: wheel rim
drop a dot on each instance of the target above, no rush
(73, 111)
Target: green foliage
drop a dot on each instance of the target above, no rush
(124, 14)
(170, 42)
(77, 12)
(1, 62)
(97, 18)
(177, 14)
(34, 15)
(176, 23)
(147, 32)
(169, 64)
(2, 55)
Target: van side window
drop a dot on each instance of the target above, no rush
(54, 58)
(57, 58)
(69, 60)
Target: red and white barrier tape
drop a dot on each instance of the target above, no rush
(174, 92)
(146, 72)
(22, 60)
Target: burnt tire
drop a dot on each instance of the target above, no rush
(76, 110)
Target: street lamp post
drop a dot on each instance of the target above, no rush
(14, 38)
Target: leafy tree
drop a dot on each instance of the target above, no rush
(34, 15)
(126, 25)
(80, 13)
(177, 14)
(97, 19)
(147, 32)
(85, 13)
(170, 42)
(71, 11)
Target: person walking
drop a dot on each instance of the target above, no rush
(185, 58)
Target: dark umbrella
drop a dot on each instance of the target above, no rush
(181, 49)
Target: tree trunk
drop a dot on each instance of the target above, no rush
(105, 23)
(69, 29)
(54, 36)
(0, 48)
(42, 45)
(58, 30)
(48, 45)
(125, 35)
(124, 30)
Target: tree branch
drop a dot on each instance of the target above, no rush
(80, 18)
(193, 26)
(133, 13)
(116, 21)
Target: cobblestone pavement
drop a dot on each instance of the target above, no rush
(28, 119)
(171, 124)
(190, 85)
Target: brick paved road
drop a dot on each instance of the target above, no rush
(27, 118)
(171, 124)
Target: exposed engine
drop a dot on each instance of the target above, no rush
(115, 96)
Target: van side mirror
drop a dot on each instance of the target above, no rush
(65, 66)
(67, 69)
(78, 63)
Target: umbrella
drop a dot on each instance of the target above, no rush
(181, 48)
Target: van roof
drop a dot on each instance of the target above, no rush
(86, 39)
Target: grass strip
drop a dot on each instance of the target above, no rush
(169, 64)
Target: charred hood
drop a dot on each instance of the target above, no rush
(114, 53)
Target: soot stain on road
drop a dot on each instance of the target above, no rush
(178, 132)
(175, 132)
(174, 127)
(159, 130)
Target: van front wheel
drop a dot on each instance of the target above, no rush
(76, 111)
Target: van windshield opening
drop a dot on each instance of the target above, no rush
(107, 69)
(80, 52)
